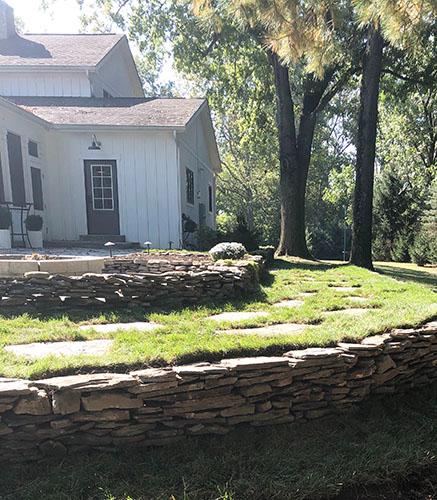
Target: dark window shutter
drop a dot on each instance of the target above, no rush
(2, 186)
(190, 186)
(16, 169)
(210, 199)
(38, 201)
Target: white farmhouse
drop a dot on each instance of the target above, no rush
(83, 147)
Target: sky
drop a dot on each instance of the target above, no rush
(62, 17)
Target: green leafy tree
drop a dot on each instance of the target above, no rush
(293, 34)
(396, 217)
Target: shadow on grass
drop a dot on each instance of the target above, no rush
(397, 432)
(303, 265)
(129, 313)
(407, 274)
(298, 265)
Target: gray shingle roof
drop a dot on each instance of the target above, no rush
(56, 50)
(120, 111)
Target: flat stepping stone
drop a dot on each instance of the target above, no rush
(268, 331)
(307, 294)
(344, 288)
(42, 349)
(289, 303)
(357, 299)
(238, 316)
(114, 327)
(353, 311)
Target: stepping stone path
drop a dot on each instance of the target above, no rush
(238, 316)
(307, 294)
(353, 311)
(113, 327)
(268, 331)
(344, 288)
(357, 299)
(39, 350)
(289, 303)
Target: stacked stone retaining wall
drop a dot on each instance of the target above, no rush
(156, 406)
(158, 263)
(44, 290)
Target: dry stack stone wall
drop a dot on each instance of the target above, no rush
(159, 263)
(134, 287)
(156, 406)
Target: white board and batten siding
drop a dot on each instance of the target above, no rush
(45, 83)
(147, 177)
(28, 130)
(194, 154)
(117, 74)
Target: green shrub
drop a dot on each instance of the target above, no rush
(231, 250)
(206, 238)
(399, 251)
(424, 249)
(5, 218)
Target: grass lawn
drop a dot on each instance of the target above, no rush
(187, 334)
(385, 449)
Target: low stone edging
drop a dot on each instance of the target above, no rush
(45, 290)
(156, 406)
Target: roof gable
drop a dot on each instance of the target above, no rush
(49, 51)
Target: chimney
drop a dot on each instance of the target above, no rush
(7, 21)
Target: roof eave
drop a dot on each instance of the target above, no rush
(40, 67)
(87, 127)
(23, 112)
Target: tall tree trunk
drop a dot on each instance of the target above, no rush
(361, 252)
(292, 176)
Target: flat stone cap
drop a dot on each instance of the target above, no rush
(87, 382)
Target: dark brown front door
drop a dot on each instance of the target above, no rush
(102, 196)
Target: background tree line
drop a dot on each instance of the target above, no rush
(304, 78)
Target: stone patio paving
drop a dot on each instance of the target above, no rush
(42, 349)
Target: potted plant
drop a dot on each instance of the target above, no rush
(5, 227)
(34, 230)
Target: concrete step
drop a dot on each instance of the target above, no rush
(103, 238)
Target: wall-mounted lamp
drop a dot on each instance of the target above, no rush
(95, 144)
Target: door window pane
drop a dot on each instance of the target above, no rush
(103, 197)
